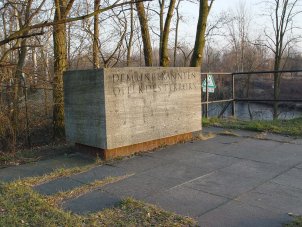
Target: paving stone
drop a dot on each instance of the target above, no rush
(235, 179)
(99, 173)
(289, 147)
(209, 162)
(297, 141)
(138, 164)
(190, 167)
(44, 166)
(186, 201)
(197, 178)
(275, 197)
(237, 214)
(138, 186)
(259, 170)
(218, 145)
(91, 202)
(277, 137)
(59, 185)
(292, 178)
(181, 154)
(22, 171)
(266, 151)
(176, 172)
(67, 161)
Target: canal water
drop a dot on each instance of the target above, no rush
(258, 111)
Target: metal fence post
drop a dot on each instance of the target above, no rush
(207, 98)
(233, 96)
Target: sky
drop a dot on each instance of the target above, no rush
(255, 9)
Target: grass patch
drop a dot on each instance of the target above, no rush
(291, 127)
(205, 136)
(135, 213)
(21, 206)
(228, 133)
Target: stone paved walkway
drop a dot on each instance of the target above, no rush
(224, 181)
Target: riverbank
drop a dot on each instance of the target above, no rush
(292, 127)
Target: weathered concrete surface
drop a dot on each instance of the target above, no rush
(84, 103)
(223, 181)
(111, 108)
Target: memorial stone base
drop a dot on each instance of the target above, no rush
(122, 111)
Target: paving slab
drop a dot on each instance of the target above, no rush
(99, 173)
(277, 137)
(176, 152)
(235, 179)
(218, 145)
(275, 197)
(176, 172)
(22, 171)
(77, 180)
(91, 202)
(210, 162)
(55, 186)
(297, 141)
(139, 186)
(189, 167)
(44, 166)
(186, 201)
(292, 178)
(139, 164)
(237, 214)
(295, 148)
(223, 181)
(266, 151)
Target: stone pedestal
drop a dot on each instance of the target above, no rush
(120, 111)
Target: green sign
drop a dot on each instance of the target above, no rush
(211, 84)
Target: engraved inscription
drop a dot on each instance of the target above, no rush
(140, 83)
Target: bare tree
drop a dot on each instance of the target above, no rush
(282, 14)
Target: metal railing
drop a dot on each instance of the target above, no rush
(232, 97)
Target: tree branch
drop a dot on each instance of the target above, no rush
(19, 34)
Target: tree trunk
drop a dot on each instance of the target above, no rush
(176, 32)
(161, 25)
(60, 65)
(165, 60)
(145, 33)
(129, 47)
(197, 56)
(96, 34)
(18, 90)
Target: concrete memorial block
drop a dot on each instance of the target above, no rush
(126, 110)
